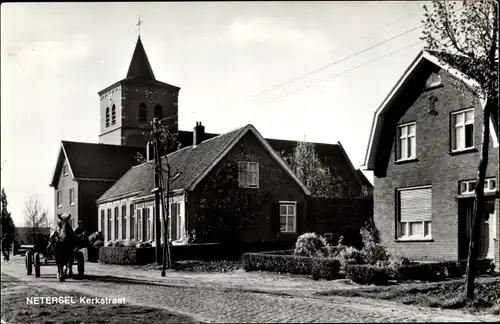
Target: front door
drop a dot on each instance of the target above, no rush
(486, 228)
(490, 227)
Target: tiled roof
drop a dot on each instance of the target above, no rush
(187, 164)
(330, 154)
(97, 161)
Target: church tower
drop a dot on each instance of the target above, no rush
(128, 106)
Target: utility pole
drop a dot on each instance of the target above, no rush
(156, 190)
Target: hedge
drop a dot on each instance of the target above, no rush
(439, 270)
(367, 274)
(126, 255)
(326, 268)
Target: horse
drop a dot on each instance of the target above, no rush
(63, 243)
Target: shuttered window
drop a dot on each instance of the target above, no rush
(415, 213)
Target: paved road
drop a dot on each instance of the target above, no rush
(228, 305)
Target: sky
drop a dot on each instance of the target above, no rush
(227, 57)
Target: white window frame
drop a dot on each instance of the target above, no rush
(245, 171)
(403, 228)
(489, 186)
(59, 198)
(287, 204)
(65, 169)
(407, 138)
(72, 196)
(456, 125)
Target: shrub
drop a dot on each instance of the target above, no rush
(130, 243)
(367, 274)
(96, 236)
(110, 243)
(98, 243)
(126, 255)
(326, 268)
(119, 243)
(311, 244)
(350, 255)
(143, 245)
(372, 251)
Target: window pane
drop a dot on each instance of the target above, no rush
(282, 210)
(493, 184)
(463, 187)
(411, 130)
(469, 135)
(291, 223)
(427, 228)
(282, 223)
(402, 229)
(416, 229)
(410, 147)
(469, 116)
(472, 186)
(404, 131)
(459, 119)
(459, 137)
(291, 210)
(404, 149)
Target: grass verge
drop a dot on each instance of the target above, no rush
(445, 294)
(15, 308)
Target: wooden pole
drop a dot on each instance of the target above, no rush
(156, 150)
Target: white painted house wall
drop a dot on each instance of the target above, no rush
(137, 206)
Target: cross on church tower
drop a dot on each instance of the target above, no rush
(139, 22)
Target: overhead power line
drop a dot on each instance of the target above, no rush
(343, 72)
(342, 59)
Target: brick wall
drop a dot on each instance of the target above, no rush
(339, 216)
(435, 166)
(274, 186)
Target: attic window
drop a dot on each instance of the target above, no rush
(65, 170)
(433, 81)
(176, 175)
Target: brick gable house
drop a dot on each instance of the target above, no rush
(232, 187)
(424, 151)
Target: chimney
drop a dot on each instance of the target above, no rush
(198, 133)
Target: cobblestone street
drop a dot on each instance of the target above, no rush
(232, 305)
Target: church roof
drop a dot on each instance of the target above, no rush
(92, 161)
(189, 165)
(139, 65)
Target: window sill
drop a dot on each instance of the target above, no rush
(406, 161)
(473, 194)
(419, 239)
(464, 151)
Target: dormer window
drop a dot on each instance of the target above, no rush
(462, 132)
(406, 142)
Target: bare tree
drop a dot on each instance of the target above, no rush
(35, 217)
(472, 36)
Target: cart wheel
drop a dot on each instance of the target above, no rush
(37, 265)
(29, 263)
(81, 264)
